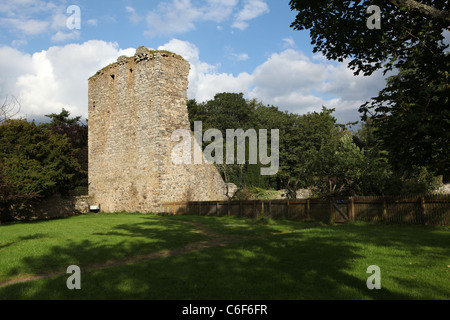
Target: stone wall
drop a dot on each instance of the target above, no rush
(53, 207)
(134, 106)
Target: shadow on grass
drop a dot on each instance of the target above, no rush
(310, 263)
(121, 242)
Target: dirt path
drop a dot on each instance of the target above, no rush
(214, 240)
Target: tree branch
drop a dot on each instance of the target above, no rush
(428, 11)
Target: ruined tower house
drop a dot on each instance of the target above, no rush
(134, 106)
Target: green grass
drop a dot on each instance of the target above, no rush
(48, 246)
(284, 259)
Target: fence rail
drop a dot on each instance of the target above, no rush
(426, 210)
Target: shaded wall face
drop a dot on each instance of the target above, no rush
(134, 106)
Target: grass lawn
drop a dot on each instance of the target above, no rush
(271, 259)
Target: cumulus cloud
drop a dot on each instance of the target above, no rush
(288, 79)
(47, 81)
(252, 9)
(236, 56)
(13, 64)
(219, 10)
(133, 15)
(179, 16)
(174, 17)
(289, 42)
(64, 36)
(92, 22)
(31, 18)
(299, 84)
(27, 27)
(55, 78)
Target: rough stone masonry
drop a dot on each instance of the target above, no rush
(134, 106)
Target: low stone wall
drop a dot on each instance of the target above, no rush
(56, 206)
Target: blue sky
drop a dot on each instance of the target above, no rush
(232, 45)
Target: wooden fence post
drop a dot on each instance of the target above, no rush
(308, 209)
(240, 208)
(270, 208)
(262, 208)
(287, 209)
(423, 210)
(330, 208)
(351, 209)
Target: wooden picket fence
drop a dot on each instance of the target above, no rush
(425, 210)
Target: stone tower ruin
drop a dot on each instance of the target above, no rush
(134, 106)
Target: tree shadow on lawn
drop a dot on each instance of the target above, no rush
(23, 238)
(286, 266)
(318, 264)
(120, 242)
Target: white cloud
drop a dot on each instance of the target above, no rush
(289, 42)
(25, 7)
(134, 16)
(175, 17)
(55, 78)
(236, 56)
(30, 18)
(13, 64)
(296, 83)
(289, 80)
(27, 27)
(19, 43)
(64, 36)
(219, 10)
(59, 21)
(252, 9)
(92, 22)
(179, 16)
(47, 81)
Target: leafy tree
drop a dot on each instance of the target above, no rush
(299, 136)
(339, 30)
(346, 169)
(62, 118)
(411, 115)
(41, 161)
(10, 194)
(304, 136)
(227, 111)
(77, 133)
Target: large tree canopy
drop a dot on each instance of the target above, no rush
(412, 114)
(339, 30)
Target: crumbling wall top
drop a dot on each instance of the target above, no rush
(142, 54)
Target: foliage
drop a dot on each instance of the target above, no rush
(41, 161)
(10, 194)
(227, 111)
(348, 170)
(410, 118)
(256, 193)
(339, 30)
(417, 181)
(62, 118)
(299, 135)
(77, 133)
